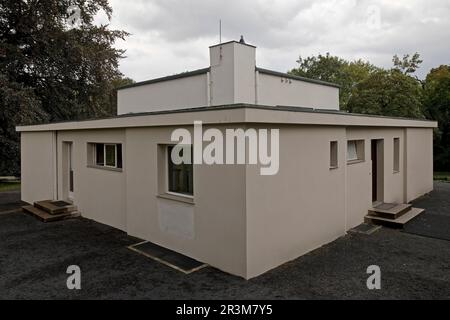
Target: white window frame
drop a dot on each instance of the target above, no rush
(115, 154)
(94, 153)
(189, 196)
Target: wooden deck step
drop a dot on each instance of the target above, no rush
(398, 222)
(55, 207)
(390, 210)
(47, 217)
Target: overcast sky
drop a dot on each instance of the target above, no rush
(172, 36)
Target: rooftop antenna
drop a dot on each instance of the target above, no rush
(220, 31)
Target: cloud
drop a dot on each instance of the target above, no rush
(171, 36)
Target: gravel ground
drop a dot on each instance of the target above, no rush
(34, 257)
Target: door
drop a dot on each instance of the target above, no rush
(373, 153)
(377, 157)
(68, 170)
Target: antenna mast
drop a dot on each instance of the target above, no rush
(220, 31)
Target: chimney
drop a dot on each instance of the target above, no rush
(232, 73)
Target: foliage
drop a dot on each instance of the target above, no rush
(436, 102)
(50, 70)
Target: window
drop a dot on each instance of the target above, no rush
(355, 151)
(105, 154)
(333, 154)
(396, 155)
(180, 176)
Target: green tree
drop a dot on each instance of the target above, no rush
(436, 105)
(388, 93)
(60, 71)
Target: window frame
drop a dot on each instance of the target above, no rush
(115, 155)
(334, 154)
(359, 151)
(92, 156)
(396, 154)
(167, 182)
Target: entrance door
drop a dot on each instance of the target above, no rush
(68, 170)
(376, 151)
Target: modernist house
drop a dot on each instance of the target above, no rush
(335, 169)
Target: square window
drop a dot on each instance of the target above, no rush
(105, 155)
(355, 150)
(180, 176)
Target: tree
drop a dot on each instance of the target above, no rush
(388, 93)
(407, 65)
(60, 71)
(18, 105)
(436, 105)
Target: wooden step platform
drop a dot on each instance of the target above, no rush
(390, 210)
(55, 207)
(397, 222)
(47, 217)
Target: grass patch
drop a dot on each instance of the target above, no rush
(9, 186)
(442, 176)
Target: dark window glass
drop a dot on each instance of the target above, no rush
(180, 175)
(119, 155)
(99, 154)
(110, 155)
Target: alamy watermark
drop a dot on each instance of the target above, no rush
(74, 16)
(374, 280)
(262, 147)
(74, 280)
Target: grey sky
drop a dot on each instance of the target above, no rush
(172, 36)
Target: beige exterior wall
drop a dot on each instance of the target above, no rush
(272, 91)
(419, 162)
(211, 229)
(359, 175)
(166, 95)
(300, 208)
(38, 154)
(99, 194)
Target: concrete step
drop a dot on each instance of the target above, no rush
(390, 210)
(55, 206)
(399, 222)
(47, 217)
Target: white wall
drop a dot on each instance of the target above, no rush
(300, 208)
(272, 91)
(419, 162)
(232, 79)
(37, 166)
(166, 95)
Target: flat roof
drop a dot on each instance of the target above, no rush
(205, 70)
(232, 114)
(290, 76)
(167, 78)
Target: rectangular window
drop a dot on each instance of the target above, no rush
(180, 176)
(105, 154)
(396, 154)
(333, 154)
(355, 150)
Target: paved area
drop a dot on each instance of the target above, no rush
(9, 200)
(435, 221)
(34, 257)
